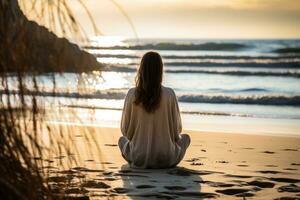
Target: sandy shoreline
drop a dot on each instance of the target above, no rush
(203, 123)
(216, 165)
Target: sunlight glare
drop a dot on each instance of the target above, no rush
(107, 41)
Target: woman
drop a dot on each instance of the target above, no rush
(151, 123)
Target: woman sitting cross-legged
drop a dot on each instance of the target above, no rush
(151, 123)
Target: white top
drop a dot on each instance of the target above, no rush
(152, 136)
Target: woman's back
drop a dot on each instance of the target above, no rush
(151, 123)
(152, 135)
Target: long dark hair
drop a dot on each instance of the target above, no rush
(148, 81)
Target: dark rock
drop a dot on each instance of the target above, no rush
(27, 47)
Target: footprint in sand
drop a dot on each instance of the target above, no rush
(289, 188)
(233, 191)
(76, 190)
(120, 190)
(222, 161)
(83, 169)
(48, 167)
(78, 135)
(237, 176)
(248, 148)
(245, 194)
(181, 171)
(111, 145)
(196, 163)
(107, 163)
(269, 172)
(242, 165)
(289, 150)
(107, 173)
(290, 169)
(187, 194)
(131, 175)
(68, 172)
(195, 159)
(217, 184)
(288, 198)
(285, 180)
(271, 166)
(59, 179)
(295, 164)
(110, 179)
(261, 184)
(268, 152)
(192, 160)
(59, 157)
(49, 161)
(95, 184)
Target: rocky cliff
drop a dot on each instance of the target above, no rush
(27, 46)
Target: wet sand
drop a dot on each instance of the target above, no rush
(216, 165)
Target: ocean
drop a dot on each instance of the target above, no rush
(249, 86)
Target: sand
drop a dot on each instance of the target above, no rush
(216, 165)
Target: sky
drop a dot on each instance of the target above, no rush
(222, 19)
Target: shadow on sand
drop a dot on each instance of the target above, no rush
(178, 182)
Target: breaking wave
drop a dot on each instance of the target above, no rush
(202, 98)
(288, 50)
(183, 112)
(201, 56)
(221, 72)
(209, 46)
(259, 100)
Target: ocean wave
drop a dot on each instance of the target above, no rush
(259, 100)
(183, 112)
(282, 65)
(217, 57)
(209, 46)
(237, 91)
(229, 72)
(238, 73)
(288, 50)
(291, 64)
(217, 99)
(254, 90)
(95, 95)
